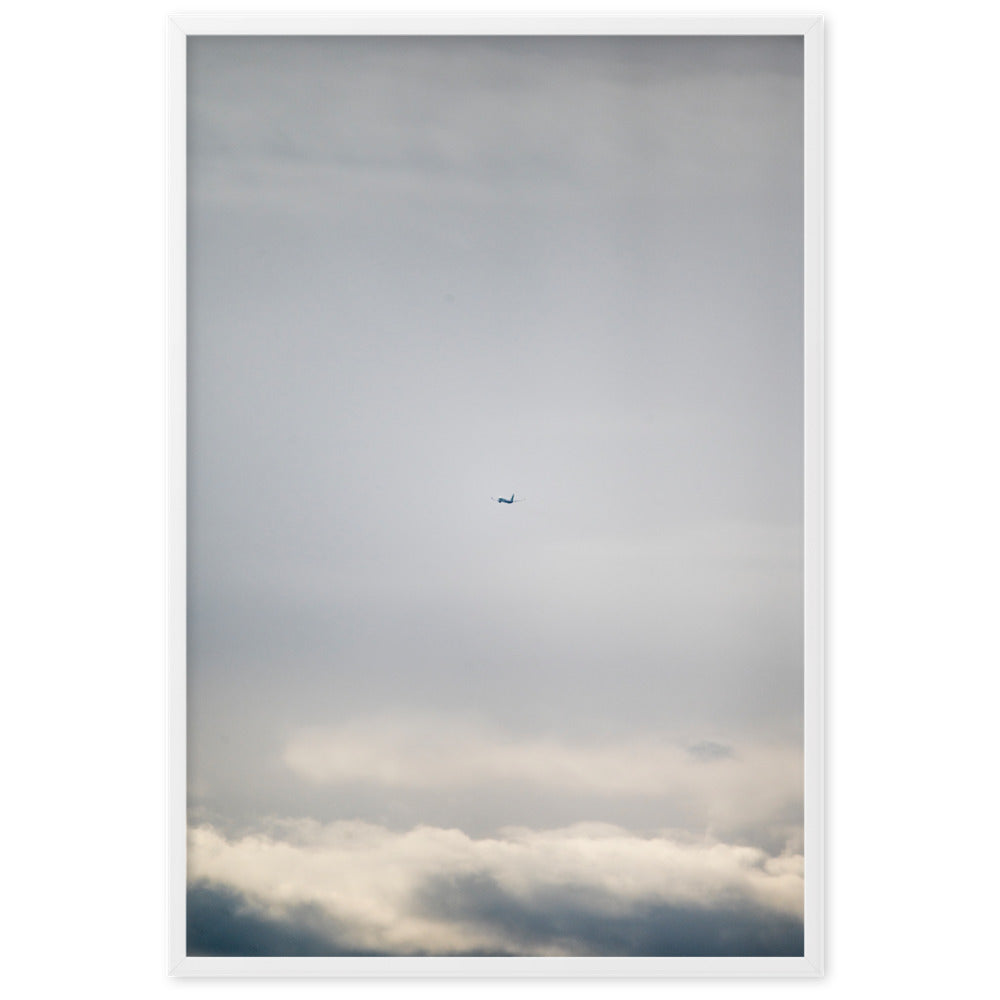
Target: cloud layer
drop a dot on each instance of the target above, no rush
(358, 888)
(709, 786)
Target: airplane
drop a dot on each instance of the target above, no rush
(504, 500)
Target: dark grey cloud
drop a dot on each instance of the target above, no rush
(585, 922)
(223, 922)
(570, 921)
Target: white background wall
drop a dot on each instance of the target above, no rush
(912, 457)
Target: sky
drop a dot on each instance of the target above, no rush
(428, 272)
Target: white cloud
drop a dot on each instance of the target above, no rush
(368, 880)
(745, 785)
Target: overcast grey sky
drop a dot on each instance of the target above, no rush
(427, 272)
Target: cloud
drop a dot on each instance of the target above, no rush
(708, 750)
(588, 922)
(710, 785)
(222, 921)
(584, 889)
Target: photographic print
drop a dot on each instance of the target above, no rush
(495, 491)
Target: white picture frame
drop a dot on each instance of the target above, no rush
(811, 964)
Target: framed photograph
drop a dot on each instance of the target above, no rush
(495, 354)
